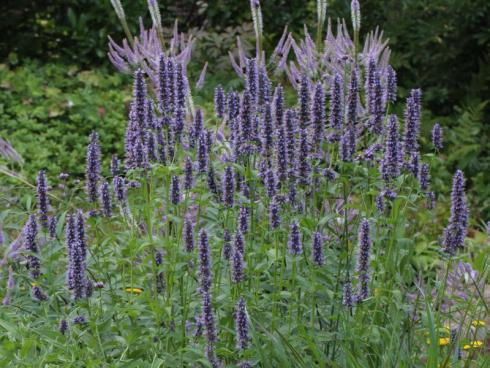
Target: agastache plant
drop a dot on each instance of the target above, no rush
(455, 232)
(215, 245)
(30, 244)
(437, 137)
(241, 324)
(42, 198)
(363, 260)
(294, 242)
(93, 169)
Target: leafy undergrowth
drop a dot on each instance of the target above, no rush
(49, 110)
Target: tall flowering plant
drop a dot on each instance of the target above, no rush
(287, 235)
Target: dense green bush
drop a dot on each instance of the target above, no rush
(47, 112)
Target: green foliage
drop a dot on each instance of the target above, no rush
(470, 135)
(74, 31)
(442, 46)
(47, 112)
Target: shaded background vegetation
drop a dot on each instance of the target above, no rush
(57, 84)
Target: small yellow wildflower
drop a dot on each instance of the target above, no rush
(478, 323)
(473, 345)
(133, 290)
(443, 341)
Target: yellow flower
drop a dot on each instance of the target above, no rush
(473, 345)
(34, 284)
(133, 290)
(478, 323)
(443, 341)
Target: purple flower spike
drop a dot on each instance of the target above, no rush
(139, 98)
(233, 104)
(202, 154)
(279, 106)
(30, 245)
(213, 188)
(243, 220)
(380, 203)
(70, 236)
(120, 190)
(267, 130)
(352, 102)
(270, 183)
(208, 317)
(163, 97)
(348, 299)
(80, 233)
(291, 130)
(252, 87)
(180, 87)
(198, 126)
(205, 275)
(63, 327)
(412, 123)
(42, 198)
(345, 148)
(455, 232)
(317, 249)
(170, 85)
(294, 243)
(228, 187)
(77, 281)
(246, 118)
(92, 173)
(171, 145)
(188, 235)
(281, 155)
(241, 324)
(391, 84)
(369, 85)
(319, 111)
(227, 245)
(390, 164)
(115, 165)
(188, 175)
(38, 294)
(336, 115)
(414, 164)
(105, 199)
(161, 147)
(363, 259)
(274, 218)
(239, 242)
(175, 190)
(437, 136)
(424, 177)
(219, 101)
(237, 265)
(304, 101)
(52, 222)
(178, 124)
(377, 106)
(264, 87)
